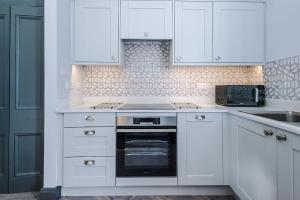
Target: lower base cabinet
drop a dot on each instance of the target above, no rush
(200, 149)
(254, 165)
(288, 165)
(89, 172)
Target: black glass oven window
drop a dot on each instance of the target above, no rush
(146, 151)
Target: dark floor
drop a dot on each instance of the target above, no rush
(32, 196)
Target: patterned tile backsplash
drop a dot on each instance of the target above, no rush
(147, 72)
(282, 78)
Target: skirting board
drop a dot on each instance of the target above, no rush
(147, 191)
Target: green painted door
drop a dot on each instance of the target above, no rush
(4, 97)
(26, 99)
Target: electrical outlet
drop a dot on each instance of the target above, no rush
(202, 86)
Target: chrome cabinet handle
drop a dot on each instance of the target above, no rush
(146, 34)
(89, 162)
(281, 137)
(89, 118)
(268, 132)
(218, 58)
(200, 117)
(178, 58)
(89, 132)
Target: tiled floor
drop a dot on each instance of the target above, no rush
(32, 196)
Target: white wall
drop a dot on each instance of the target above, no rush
(51, 126)
(282, 29)
(57, 76)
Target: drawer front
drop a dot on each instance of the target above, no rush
(255, 127)
(89, 172)
(100, 141)
(198, 117)
(89, 119)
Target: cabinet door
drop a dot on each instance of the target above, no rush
(4, 97)
(288, 163)
(200, 149)
(89, 172)
(238, 32)
(93, 141)
(146, 19)
(193, 32)
(255, 153)
(95, 31)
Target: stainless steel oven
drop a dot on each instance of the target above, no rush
(146, 146)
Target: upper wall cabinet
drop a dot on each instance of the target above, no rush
(193, 32)
(95, 31)
(238, 32)
(146, 19)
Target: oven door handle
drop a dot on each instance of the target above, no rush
(146, 141)
(147, 154)
(146, 130)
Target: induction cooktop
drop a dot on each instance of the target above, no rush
(147, 107)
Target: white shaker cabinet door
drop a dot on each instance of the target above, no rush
(96, 31)
(238, 35)
(89, 141)
(288, 162)
(193, 32)
(200, 149)
(146, 19)
(255, 161)
(89, 172)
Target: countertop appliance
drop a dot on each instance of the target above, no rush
(240, 95)
(157, 106)
(106, 106)
(146, 145)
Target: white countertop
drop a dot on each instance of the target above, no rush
(291, 127)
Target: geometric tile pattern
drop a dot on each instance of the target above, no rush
(147, 72)
(282, 78)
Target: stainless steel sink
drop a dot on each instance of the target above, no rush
(284, 116)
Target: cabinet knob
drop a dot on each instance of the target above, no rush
(178, 58)
(146, 34)
(218, 58)
(89, 118)
(89, 132)
(89, 162)
(281, 137)
(114, 58)
(268, 132)
(200, 117)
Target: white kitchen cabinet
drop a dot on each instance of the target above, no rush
(238, 32)
(89, 119)
(89, 172)
(146, 19)
(254, 171)
(193, 32)
(288, 164)
(95, 141)
(95, 31)
(200, 149)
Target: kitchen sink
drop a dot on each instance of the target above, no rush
(284, 116)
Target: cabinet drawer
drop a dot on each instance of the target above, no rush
(257, 128)
(89, 119)
(89, 172)
(99, 141)
(198, 117)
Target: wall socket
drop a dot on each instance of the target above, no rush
(202, 86)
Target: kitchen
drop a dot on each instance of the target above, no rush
(180, 99)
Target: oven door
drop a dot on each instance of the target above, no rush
(146, 152)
